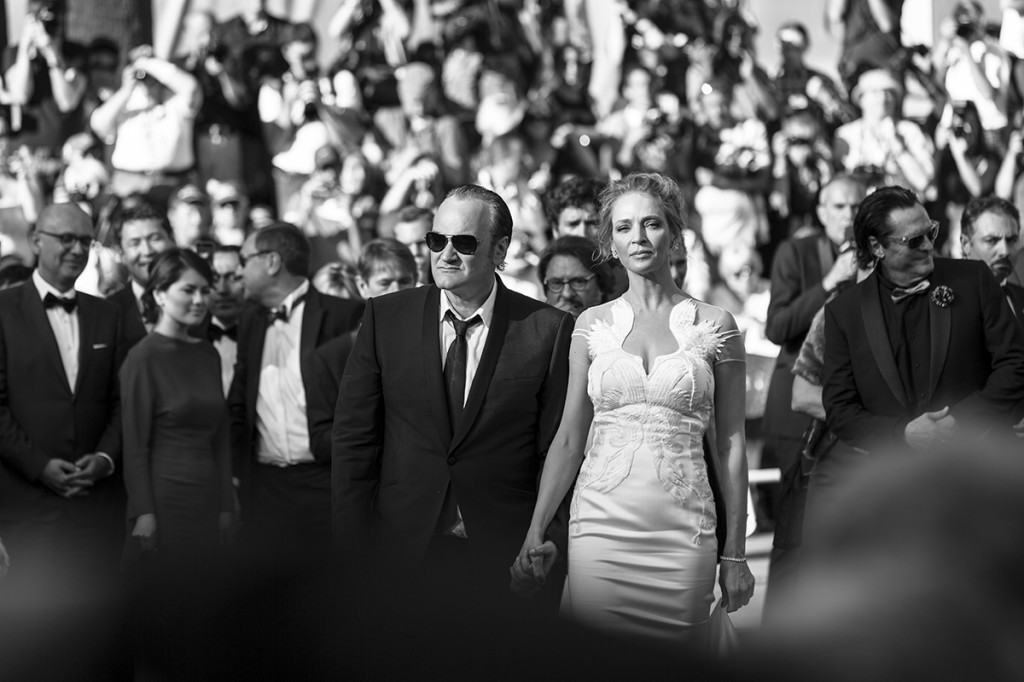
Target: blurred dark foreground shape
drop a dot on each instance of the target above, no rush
(913, 572)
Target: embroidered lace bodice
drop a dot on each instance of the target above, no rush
(663, 411)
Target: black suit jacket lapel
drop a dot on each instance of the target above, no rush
(257, 336)
(488, 361)
(39, 323)
(878, 338)
(135, 326)
(309, 336)
(1015, 297)
(433, 371)
(940, 325)
(86, 335)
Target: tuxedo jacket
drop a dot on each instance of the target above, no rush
(329, 365)
(41, 418)
(395, 454)
(976, 365)
(324, 318)
(1015, 296)
(797, 295)
(133, 327)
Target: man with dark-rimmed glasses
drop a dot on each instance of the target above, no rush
(922, 354)
(61, 506)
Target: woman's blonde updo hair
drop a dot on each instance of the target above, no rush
(660, 188)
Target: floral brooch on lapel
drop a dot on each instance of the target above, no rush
(942, 296)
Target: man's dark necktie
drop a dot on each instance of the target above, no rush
(68, 304)
(898, 294)
(215, 333)
(455, 367)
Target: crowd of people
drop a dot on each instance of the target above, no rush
(498, 305)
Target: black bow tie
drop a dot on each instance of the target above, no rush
(215, 333)
(283, 312)
(899, 293)
(275, 314)
(67, 303)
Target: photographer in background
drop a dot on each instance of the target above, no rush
(733, 169)
(149, 120)
(968, 165)
(973, 67)
(802, 88)
(46, 84)
(881, 147)
(219, 124)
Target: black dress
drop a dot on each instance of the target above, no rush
(176, 441)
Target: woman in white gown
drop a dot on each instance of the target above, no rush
(652, 371)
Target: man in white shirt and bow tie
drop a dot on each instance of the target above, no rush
(280, 436)
(61, 504)
(225, 308)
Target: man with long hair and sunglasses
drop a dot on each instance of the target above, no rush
(448, 403)
(924, 353)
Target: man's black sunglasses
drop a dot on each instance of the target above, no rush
(917, 241)
(466, 244)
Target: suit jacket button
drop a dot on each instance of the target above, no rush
(451, 460)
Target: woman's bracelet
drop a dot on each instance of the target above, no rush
(734, 559)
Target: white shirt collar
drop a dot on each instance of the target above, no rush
(485, 311)
(44, 287)
(137, 290)
(289, 301)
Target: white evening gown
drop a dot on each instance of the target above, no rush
(642, 546)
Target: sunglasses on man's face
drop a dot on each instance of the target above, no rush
(466, 244)
(917, 241)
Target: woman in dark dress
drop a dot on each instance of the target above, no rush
(176, 428)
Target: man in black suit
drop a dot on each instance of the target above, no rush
(226, 298)
(60, 429)
(922, 352)
(143, 233)
(446, 409)
(804, 273)
(990, 232)
(281, 443)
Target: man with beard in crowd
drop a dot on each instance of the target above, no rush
(990, 232)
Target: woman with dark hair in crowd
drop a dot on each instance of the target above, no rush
(650, 374)
(177, 463)
(574, 275)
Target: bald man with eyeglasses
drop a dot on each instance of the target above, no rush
(61, 498)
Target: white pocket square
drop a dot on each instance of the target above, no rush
(98, 346)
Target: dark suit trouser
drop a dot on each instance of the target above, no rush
(290, 505)
(70, 547)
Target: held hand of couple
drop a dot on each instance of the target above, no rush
(737, 583)
(530, 569)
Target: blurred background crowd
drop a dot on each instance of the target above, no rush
(353, 127)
